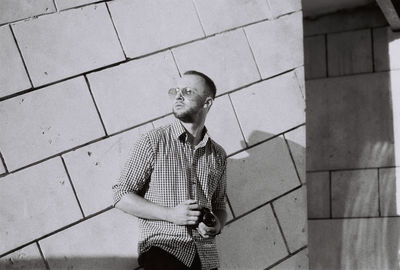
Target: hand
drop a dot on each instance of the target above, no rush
(206, 231)
(185, 213)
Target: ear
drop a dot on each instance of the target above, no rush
(208, 103)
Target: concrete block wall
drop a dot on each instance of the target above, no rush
(82, 80)
(351, 68)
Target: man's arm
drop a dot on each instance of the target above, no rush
(186, 213)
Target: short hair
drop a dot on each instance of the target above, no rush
(209, 82)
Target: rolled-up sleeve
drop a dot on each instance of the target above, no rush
(137, 170)
(219, 196)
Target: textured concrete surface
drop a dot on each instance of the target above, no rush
(64, 4)
(298, 261)
(276, 106)
(279, 7)
(349, 53)
(217, 16)
(114, 234)
(223, 126)
(26, 258)
(235, 66)
(252, 242)
(355, 193)
(11, 10)
(352, 111)
(45, 122)
(345, 21)
(318, 195)
(278, 44)
(2, 168)
(291, 211)
(68, 43)
(315, 57)
(125, 93)
(297, 145)
(367, 244)
(388, 191)
(265, 172)
(300, 75)
(48, 203)
(171, 23)
(386, 49)
(13, 77)
(96, 167)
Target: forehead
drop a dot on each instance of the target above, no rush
(193, 81)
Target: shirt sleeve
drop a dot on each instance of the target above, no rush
(219, 196)
(137, 170)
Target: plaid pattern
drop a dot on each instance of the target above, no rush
(166, 170)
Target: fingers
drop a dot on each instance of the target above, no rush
(188, 202)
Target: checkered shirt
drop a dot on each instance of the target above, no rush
(166, 169)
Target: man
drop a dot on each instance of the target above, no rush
(172, 173)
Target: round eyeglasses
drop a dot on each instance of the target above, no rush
(186, 92)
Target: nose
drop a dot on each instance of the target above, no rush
(179, 95)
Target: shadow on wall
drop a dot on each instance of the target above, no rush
(261, 235)
(352, 133)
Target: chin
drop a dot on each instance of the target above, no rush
(184, 117)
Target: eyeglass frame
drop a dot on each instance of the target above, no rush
(183, 91)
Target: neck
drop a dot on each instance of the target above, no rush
(195, 129)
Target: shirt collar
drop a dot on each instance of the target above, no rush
(179, 132)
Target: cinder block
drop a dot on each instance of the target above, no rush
(96, 167)
(47, 121)
(68, 43)
(124, 94)
(298, 261)
(362, 17)
(315, 57)
(300, 75)
(318, 195)
(226, 58)
(297, 145)
(291, 211)
(279, 7)
(13, 77)
(386, 49)
(349, 53)
(172, 22)
(260, 174)
(223, 126)
(355, 193)
(35, 202)
(217, 16)
(25, 258)
(349, 120)
(277, 45)
(11, 10)
(252, 242)
(106, 241)
(269, 107)
(64, 4)
(388, 189)
(370, 243)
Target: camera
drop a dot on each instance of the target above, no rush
(207, 217)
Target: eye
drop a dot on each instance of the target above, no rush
(188, 91)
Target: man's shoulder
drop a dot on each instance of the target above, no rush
(158, 133)
(218, 149)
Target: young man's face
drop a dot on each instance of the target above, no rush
(189, 104)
